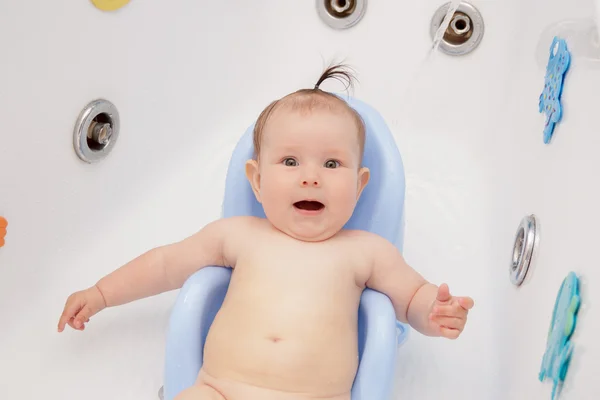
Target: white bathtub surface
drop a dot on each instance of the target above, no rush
(188, 77)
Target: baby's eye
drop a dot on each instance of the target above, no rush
(332, 164)
(290, 162)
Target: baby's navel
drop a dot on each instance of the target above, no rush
(274, 339)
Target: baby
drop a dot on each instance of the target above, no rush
(287, 329)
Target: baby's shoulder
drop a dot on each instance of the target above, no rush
(244, 230)
(359, 236)
(239, 233)
(364, 249)
(363, 241)
(243, 224)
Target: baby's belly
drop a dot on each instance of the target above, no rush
(285, 347)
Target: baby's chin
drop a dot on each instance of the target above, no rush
(308, 233)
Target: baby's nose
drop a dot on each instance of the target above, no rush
(309, 182)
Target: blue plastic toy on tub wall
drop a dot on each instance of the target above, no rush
(550, 99)
(559, 347)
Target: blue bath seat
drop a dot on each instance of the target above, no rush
(380, 210)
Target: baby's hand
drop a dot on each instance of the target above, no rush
(449, 314)
(80, 307)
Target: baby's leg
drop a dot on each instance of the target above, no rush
(200, 391)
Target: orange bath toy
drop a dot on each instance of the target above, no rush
(3, 225)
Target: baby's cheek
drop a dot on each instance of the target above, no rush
(346, 197)
(275, 184)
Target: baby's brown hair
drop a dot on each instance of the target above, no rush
(309, 99)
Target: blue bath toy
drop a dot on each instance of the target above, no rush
(558, 347)
(558, 64)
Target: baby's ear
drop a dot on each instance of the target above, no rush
(253, 176)
(363, 178)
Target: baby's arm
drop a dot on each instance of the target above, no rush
(158, 270)
(167, 267)
(414, 297)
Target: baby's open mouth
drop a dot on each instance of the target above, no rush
(309, 205)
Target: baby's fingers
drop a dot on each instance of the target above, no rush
(448, 322)
(452, 310)
(71, 308)
(79, 327)
(466, 302)
(82, 317)
(449, 333)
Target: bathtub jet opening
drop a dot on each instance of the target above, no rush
(340, 8)
(341, 14)
(96, 130)
(522, 252)
(460, 24)
(460, 29)
(464, 32)
(99, 132)
(518, 249)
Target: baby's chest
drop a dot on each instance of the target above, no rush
(309, 267)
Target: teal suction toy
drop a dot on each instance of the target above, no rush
(558, 64)
(558, 347)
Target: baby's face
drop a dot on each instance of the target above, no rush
(308, 176)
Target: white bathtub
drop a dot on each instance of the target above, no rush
(188, 77)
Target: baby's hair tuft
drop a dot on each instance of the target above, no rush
(341, 72)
